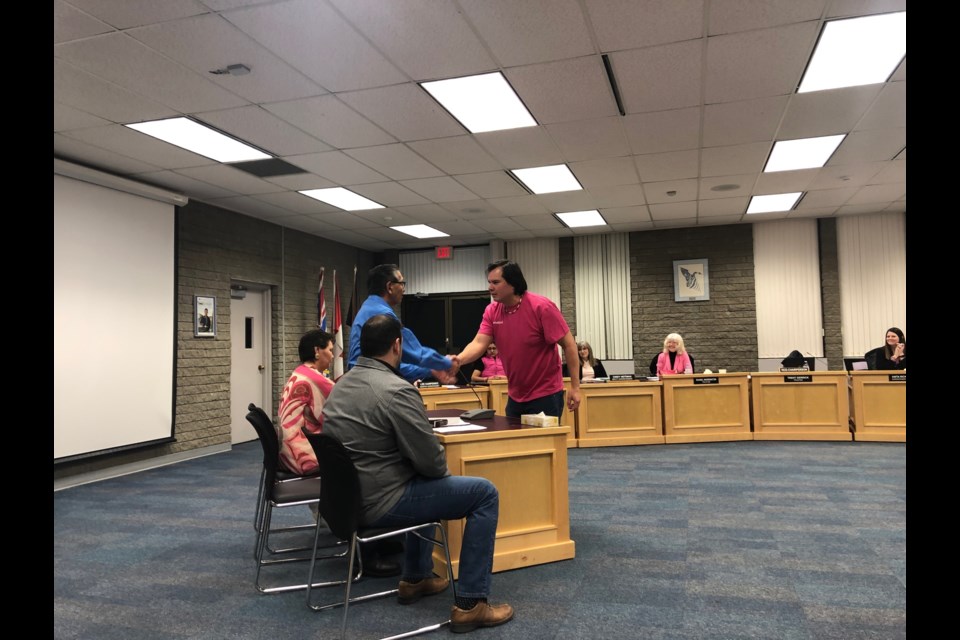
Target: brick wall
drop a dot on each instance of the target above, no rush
(830, 293)
(568, 287)
(216, 247)
(720, 332)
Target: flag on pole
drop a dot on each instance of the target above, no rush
(354, 305)
(321, 305)
(337, 331)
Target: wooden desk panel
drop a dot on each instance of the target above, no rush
(808, 405)
(717, 412)
(462, 398)
(879, 405)
(528, 465)
(499, 397)
(620, 413)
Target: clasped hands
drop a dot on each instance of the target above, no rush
(450, 375)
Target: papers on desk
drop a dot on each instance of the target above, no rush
(459, 427)
(456, 424)
(450, 386)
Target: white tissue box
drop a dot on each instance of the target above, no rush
(539, 420)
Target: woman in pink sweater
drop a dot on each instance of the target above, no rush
(674, 358)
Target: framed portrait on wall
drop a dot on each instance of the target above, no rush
(204, 317)
(691, 280)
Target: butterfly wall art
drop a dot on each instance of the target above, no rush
(691, 280)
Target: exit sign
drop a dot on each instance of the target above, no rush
(444, 253)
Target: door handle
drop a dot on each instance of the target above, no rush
(260, 368)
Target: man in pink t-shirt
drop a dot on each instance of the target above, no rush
(527, 329)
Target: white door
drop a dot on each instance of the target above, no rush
(249, 362)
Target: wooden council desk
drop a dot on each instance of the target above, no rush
(528, 465)
(461, 398)
(706, 408)
(801, 405)
(499, 397)
(619, 413)
(879, 405)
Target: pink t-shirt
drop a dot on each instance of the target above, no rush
(526, 337)
(492, 367)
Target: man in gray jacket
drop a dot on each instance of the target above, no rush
(380, 419)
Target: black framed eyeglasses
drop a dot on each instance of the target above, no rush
(402, 283)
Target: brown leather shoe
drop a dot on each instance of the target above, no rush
(482, 615)
(408, 593)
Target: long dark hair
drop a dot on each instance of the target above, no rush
(887, 349)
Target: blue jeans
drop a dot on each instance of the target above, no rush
(551, 405)
(450, 498)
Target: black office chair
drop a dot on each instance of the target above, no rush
(296, 491)
(340, 504)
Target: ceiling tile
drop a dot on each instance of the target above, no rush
(93, 95)
(519, 148)
(333, 122)
(730, 16)
(744, 121)
(627, 227)
(874, 145)
(395, 161)
(622, 215)
(566, 90)
(722, 207)
(846, 175)
(744, 184)
(72, 24)
(227, 177)
(663, 130)
(874, 193)
(133, 13)
(296, 202)
(519, 206)
(657, 192)
(890, 109)
(572, 200)
(606, 172)
(263, 129)
(389, 194)
(303, 32)
(147, 148)
(658, 78)
(337, 167)
(673, 210)
(461, 154)
(411, 33)
(725, 161)
(405, 111)
(590, 139)
(494, 184)
(620, 196)
(443, 189)
(757, 64)
(208, 42)
(628, 24)
(672, 165)
(824, 113)
(821, 198)
(531, 31)
(180, 183)
(83, 152)
(785, 181)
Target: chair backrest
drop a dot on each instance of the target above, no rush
(267, 434)
(339, 485)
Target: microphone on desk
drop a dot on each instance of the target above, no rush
(479, 413)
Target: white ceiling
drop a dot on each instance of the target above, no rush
(707, 87)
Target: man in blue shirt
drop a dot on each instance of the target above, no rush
(385, 289)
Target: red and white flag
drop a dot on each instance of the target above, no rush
(337, 331)
(321, 305)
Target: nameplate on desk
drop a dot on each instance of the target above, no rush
(622, 376)
(798, 378)
(783, 369)
(710, 380)
(429, 385)
(898, 377)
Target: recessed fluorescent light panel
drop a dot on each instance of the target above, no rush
(776, 202)
(420, 231)
(481, 103)
(856, 51)
(552, 179)
(804, 153)
(342, 198)
(193, 136)
(573, 219)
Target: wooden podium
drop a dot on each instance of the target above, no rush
(619, 413)
(706, 408)
(528, 465)
(462, 398)
(801, 405)
(879, 405)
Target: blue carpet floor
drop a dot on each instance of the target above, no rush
(768, 540)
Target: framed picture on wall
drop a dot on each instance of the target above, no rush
(204, 317)
(691, 280)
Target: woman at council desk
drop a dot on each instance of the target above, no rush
(590, 367)
(674, 358)
(490, 367)
(892, 355)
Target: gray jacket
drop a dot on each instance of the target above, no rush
(380, 419)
